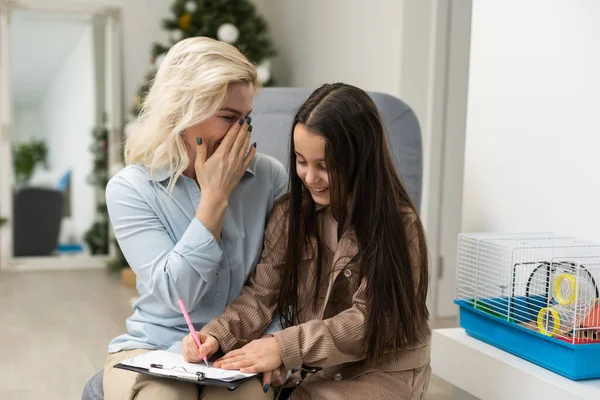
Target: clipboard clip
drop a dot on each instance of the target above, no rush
(176, 372)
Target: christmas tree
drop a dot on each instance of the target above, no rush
(233, 21)
(97, 235)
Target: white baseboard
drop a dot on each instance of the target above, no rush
(61, 262)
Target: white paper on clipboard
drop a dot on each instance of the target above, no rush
(173, 362)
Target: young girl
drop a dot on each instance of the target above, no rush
(344, 262)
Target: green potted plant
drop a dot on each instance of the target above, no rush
(3, 220)
(26, 156)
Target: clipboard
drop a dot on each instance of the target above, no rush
(179, 372)
(199, 380)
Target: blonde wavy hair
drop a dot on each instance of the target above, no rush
(190, 86)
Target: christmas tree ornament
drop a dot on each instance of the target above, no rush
(228, 33)
(185, 21)
(176, 35)
(264, 72)
(191, 6)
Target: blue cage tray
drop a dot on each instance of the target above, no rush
(574, 361)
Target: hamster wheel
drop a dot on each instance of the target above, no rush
(562, 283)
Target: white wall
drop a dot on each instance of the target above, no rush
(69, 117)
(532, 153)
(27, 123)
(353, 41)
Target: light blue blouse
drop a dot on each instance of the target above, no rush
(173, 254)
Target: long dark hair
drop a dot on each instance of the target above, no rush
(368, 196)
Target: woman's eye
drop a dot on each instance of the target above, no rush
(229, 117)
(301, 162)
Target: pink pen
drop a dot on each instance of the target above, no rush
(192, 330)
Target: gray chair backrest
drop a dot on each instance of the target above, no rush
(274, 110)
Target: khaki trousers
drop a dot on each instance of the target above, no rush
(120, 384)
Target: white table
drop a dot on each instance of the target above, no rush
(489, 373)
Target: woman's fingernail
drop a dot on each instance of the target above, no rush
(254, 145)
(248, 120)
(198, 140)
(250, 128)
(266, 388)
(241, 121)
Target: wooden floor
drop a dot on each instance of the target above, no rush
(55, 327)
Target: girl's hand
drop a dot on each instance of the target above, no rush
(261, 355)
(193, 354)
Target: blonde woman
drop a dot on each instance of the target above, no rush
(189, 210)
